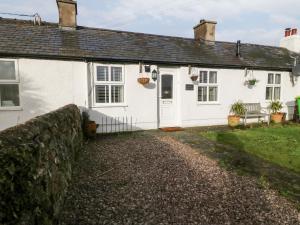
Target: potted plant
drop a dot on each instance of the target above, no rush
(194, 77)
(251, 82)
(237, 109)
(143, 80)
(276, 115)
(89, 127)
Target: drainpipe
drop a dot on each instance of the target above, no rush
(89, 84)
(158, 97)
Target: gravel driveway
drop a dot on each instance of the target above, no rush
(152, 179)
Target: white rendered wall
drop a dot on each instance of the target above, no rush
(140, 104)
(232, 89)
(49, 84)
(292, 43)
(46, 85)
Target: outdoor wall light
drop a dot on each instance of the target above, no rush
(154, 75)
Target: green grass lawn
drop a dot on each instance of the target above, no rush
(277, 144)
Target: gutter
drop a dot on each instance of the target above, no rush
(94, 59)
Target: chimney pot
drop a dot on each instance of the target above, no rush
(205, 30)
(67, 14)
(294, 31)
(287, 32)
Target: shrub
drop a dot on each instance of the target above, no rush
(275, 106)
(238, 108)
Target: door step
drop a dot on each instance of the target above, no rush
(171, 129)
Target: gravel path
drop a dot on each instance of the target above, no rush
(147, 179)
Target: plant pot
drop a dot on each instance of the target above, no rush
(233, 121)
(91, 129)
(194, 77)
(277, 117)
(143, 80)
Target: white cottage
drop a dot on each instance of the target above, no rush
(44, 67)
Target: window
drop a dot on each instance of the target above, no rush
(109, 85)
(208, 86)
(273, 89)
(166, 86)
(9, 84)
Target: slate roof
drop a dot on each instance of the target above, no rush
(22, 38)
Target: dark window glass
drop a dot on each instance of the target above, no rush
(270, 78)
(9, 95)
(7, 70)
(203, 77)
(269, 91)
(102, 94)
(102, 73)
(167, 87)
(202, 94)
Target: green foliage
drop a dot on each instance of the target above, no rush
(35, 166)
(275, 106)
(278, 144)
(238, 108)
(252, 81)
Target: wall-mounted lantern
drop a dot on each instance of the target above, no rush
(154, 75)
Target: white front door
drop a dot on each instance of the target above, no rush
(168, 109)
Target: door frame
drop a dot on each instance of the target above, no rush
(175, 72)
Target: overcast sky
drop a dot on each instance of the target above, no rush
(252, 21)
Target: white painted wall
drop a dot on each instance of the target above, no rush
(292, 43)
(49, 84)
(46, 85)
(231, 89)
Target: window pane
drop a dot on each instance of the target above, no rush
(7, 70)
(213, 77)
(9, 95)
(276, 93)
(270, 78)
(203, 77)
(102, 73)
(167, 87)
(116, 73)
(278, 79)
(102, 94)
(202, 94)
(269, 91)
(213, 94)
(117, 94)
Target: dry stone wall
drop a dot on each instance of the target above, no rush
(36, 161)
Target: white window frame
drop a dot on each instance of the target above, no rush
(208, 85)
(273, 86)
(109, 83)
(16, 82)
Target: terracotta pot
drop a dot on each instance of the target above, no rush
(233, 121)
(194, 78)
(277, 117)
(143, 80)
(91, 129)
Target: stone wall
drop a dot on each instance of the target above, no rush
(36, 160)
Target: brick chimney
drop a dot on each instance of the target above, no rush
(291, 40)
(67, 14)
(205, 30)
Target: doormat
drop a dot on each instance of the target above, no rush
(171, 129)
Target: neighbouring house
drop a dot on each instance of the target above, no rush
(46, 66)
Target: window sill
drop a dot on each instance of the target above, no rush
(208, 103)
(110, 106)
(14, 108)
